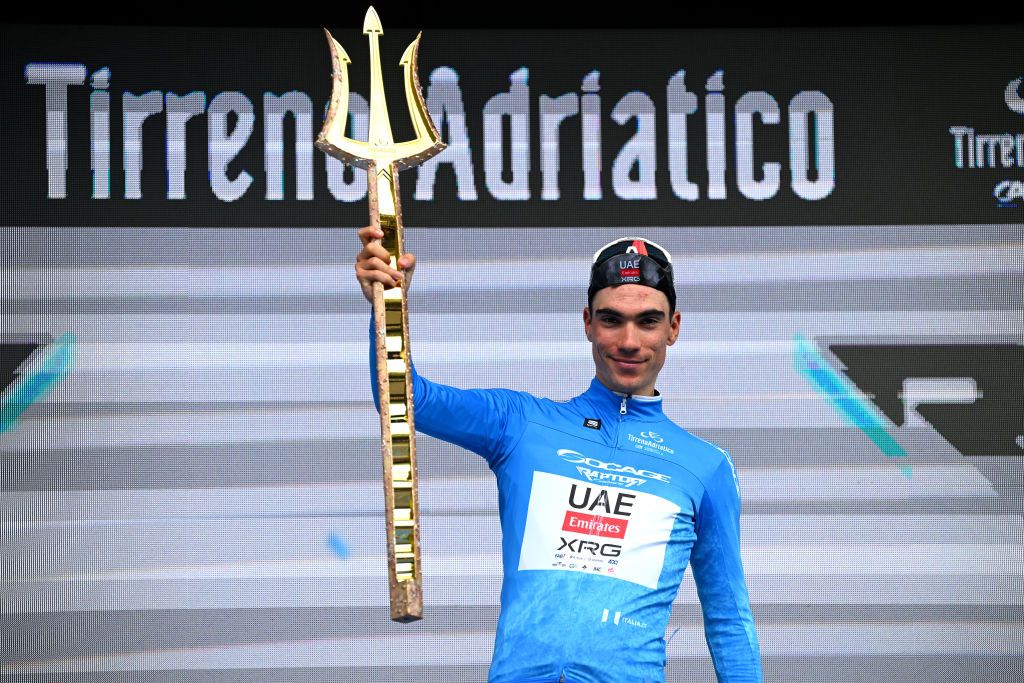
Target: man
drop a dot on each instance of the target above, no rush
(603, 500)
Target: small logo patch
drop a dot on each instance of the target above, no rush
(592, 423)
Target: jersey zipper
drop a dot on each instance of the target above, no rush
(622, 416)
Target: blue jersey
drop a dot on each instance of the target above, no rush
(603, 503)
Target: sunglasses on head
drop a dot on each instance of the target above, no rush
(632, 245)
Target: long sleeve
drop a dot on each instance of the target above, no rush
(485, 421)
(721, 586)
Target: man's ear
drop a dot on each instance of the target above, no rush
(675, 325)
(586, 322)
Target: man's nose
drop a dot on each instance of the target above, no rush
(630, 339)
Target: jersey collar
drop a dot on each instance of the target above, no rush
(608, 403)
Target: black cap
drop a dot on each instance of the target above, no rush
(636, 261)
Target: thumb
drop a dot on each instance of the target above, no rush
(407, 262)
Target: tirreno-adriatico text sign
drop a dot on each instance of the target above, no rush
(214, 127)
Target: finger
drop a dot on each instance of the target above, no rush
(369, 233)
(374, 251)
(367, 277)
(377, 261)
(407, 261)
(377, 265)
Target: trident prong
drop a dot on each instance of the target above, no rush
(379, 149)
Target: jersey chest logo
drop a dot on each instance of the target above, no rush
(610, 472)
(573, 525)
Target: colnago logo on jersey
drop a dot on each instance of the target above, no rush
(610, 472)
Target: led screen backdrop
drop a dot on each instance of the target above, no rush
(190, 485)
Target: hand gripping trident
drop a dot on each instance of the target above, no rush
(382, 159)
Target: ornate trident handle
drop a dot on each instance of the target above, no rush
(383, 158)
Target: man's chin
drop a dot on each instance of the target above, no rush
(627, 385)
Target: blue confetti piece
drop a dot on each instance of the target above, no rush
(338, 546)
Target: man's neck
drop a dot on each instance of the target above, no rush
(651, 393)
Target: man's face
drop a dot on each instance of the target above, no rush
(629, 330)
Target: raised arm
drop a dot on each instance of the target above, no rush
(485, 421)
(721, 586)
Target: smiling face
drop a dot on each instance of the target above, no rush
(629, 329)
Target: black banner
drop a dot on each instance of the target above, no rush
(198, 127)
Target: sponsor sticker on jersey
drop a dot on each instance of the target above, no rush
(595, 525)
(572, 524)
(649, 441)
(609, 472)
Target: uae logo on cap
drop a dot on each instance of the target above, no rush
(629, 269)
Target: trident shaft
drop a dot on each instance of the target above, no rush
(383, 158)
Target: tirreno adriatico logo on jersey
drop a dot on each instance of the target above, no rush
(650, 441)
(609, 472)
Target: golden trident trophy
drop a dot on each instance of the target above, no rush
(383, 159)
